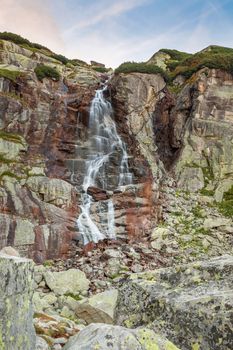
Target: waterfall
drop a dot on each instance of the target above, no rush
(106, 167)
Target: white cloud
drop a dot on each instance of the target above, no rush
(31, 19)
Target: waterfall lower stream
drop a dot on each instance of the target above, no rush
(106, 167)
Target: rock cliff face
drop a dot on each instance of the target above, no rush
(201, 123)
(40, 125)
(44, 127)
(174, 216)
(180, 134)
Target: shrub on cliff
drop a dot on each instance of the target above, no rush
(213, 57)
(131, 67)
(101, 69)
(42, 71)
(60, 58)
(176, 55)
(19, 40)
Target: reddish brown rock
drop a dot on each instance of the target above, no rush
(97, 193)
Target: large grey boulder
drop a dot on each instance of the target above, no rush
(190, 304)
(16, 313)
(106, 337)
(72, 282)
(41, 344)
(98, 308)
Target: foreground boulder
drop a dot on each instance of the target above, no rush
(16, 314)
(190, 304)
(98, 308)
(105, 337)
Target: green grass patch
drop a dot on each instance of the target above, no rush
(48, 263)
(60, 58)
(226, 206)
(42, 71)
(133, 67)
(11, 137)
(9, 74)
(205, 192)
(74, 296)
(76, 62)
(197, 212)
(176, 55)
(175, 89)
(10, 174)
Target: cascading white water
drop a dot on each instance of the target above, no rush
(104, 145)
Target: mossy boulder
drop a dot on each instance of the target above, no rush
(190, 304)
(105, 337)
(72, 281)
(16, 322)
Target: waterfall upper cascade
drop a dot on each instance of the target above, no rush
(106, 152)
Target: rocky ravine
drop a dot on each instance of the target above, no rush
(166, 283)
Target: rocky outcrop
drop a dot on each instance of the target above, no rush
(134, 97)
(104, 337)
(190, 304)
(207, 137)
(195, 136)
(16, 312)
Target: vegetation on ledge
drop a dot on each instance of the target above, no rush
(176, 55)
(101, 69)
(9, 74)
(216, 57)
(19, 40)
(42, 71)
(7, 136)
(34, 47)
(133, 67)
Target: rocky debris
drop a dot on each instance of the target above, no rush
(192, 227)
(16, 312)
(193, 300)
(216, 222)
(108, 263)
(72, 281)
(105, 337)
(99, 308)
(54, 330)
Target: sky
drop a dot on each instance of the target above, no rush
(115, 31)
